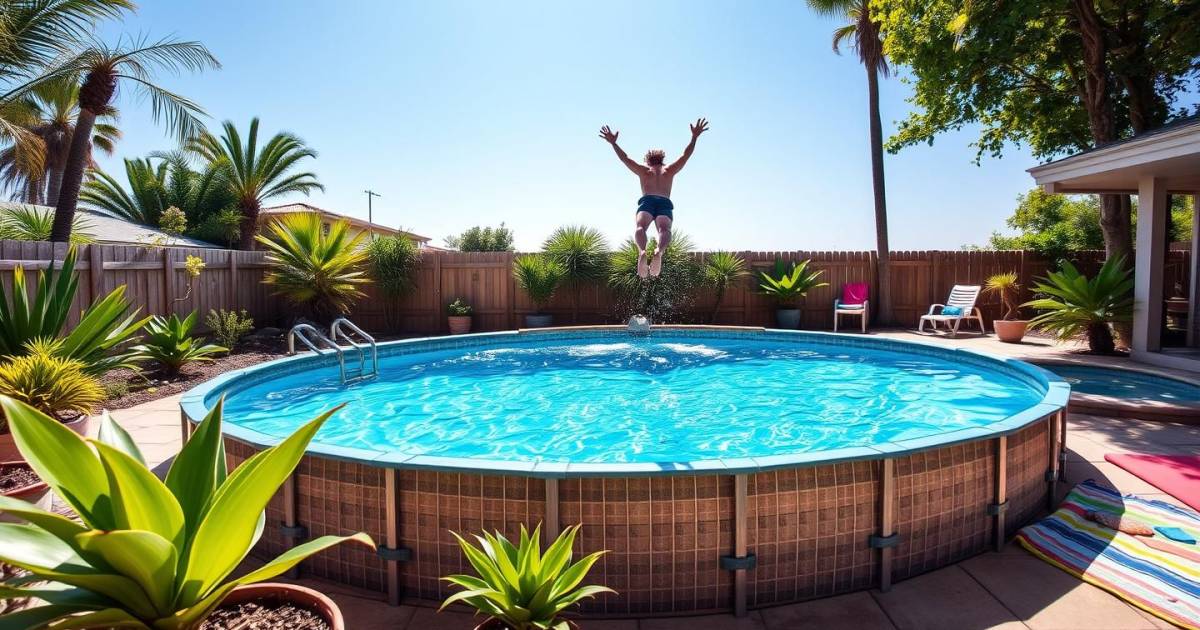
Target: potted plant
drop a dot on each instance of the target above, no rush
(1009, 328)
(57, 386)
(520, 588)
(539, 276)
(459, 316)
(1076, 305)
(18, 481)
(147, 553)
(788, 286)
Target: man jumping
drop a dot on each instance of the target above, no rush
(655, 205)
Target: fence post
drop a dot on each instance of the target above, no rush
(95, 270)
(511, 283)
(168, 265)
(233, 280)
(439, 322)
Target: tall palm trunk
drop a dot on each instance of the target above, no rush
(884, 297)
(54, 178)
(249, 227)
(72, 177)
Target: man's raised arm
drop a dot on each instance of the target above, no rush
(611, 136)
(700, 127)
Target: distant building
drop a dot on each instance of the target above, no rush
(266, 215)
(110, 230)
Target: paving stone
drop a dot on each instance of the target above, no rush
(753, 621)
(947, 599)
(1048, 598)
(856, 611)
(430, 619)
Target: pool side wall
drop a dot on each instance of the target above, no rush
(809, 529)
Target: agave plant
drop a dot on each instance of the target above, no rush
(170, 344)
(539, 276)
(145, 553)
(1005, 285)
(49, 383)
(519, 586)
(312, 267)
(1076, 305)
(788, 286)
(721, 271)
(96, 340)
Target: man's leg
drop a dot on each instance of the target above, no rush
(643, 220)
(664, 241)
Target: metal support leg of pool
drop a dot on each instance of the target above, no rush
(740, 483)
(1000, 503)
(292, 530)
(185, 427)
(1052, 473)
(552, 522)
(887, 520)
(391, 489)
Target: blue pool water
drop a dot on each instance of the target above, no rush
(627, 399)
(1119, 383)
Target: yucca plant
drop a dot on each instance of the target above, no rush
(49, 383)
(787, 286)
(1075, 305)
(313, 267)
(145, 553)
(539, 276)
(582, 252)
(1005, 285)
(518, 586)
(722, 270)
(96, 340)
(170, 344)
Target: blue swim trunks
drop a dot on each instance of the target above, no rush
(657, 206)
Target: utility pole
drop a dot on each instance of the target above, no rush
(370, 195)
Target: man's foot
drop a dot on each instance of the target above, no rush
(642, 269)
(656, 265)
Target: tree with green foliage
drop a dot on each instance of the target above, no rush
(863, 32)
(1058, 76)
(582, 252)
(482, 239)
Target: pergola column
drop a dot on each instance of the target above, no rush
(1148, 269)
(1193, 331)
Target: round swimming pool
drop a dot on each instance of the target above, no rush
(709, 461)
(1129, 392)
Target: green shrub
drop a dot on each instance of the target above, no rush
(229, 326)
(168, 342)
(115, 389)
(315, 267)
(539, 276)
(458, 308)
(482, 239)
(1075, 305)
(173, 221)
(786, 285)
(520, 586)
(96, 340)
(49, 383)
(393, 262)
(662, 299)
(722, 270)
(144, 553)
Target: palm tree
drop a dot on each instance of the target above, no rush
(34, 34)
(256, 174)
(862, 31)
(156, 183)
(722, 270)
(53, 108)
(582, 252)
(104, 68)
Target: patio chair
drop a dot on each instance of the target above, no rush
(959, 306)
(853, 302)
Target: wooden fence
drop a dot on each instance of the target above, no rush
(156, 281)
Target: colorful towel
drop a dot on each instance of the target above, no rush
(1162, 578)
(1177, 475)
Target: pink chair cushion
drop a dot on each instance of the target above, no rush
(854, 293)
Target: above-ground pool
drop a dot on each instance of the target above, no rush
(1118, 391)
(722, 468)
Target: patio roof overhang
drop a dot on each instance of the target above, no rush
(1171, 155)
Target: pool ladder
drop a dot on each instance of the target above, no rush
(323, 345)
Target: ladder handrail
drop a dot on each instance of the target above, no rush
(300, 330)
(335, 331)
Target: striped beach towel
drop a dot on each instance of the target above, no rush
(1155, 574)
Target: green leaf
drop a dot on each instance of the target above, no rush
(140, 501)
(58, 594)
(199, 468)
(117, 437)
(224, 536)
(59, 526)
(109, 619)
(37, 617)
(63, 460)
(145, 557)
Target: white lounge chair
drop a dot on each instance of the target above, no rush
(962, 297)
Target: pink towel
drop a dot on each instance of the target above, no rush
(854, 293)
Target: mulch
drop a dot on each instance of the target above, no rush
(257, 615)
(16, 477)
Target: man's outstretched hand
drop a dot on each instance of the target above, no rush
(609, 134)
(700, 127)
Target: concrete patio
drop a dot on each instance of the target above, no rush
(1010, 589)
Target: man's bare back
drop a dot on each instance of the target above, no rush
(655, 205)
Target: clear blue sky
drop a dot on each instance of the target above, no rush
(463, 113)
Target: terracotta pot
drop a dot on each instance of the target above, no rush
(301, 597)
(1010, 330)
(788, 318)
(538, 320)
(37, 494)
(459, 324)
(8, 447)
